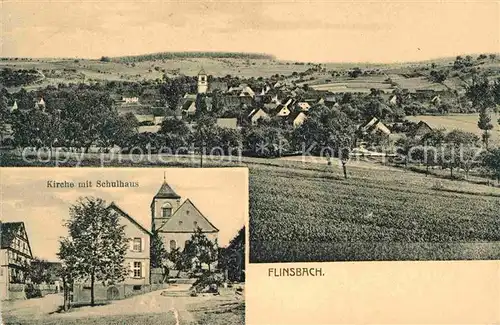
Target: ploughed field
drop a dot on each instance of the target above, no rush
(315, 215)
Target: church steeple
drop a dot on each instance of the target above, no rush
(164, 204)
(202, 81)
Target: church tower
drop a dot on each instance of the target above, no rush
(163, 205)
(202, 82)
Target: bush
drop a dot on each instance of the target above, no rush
(32, 291)
(210, 280)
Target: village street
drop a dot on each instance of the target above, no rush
(171, 306)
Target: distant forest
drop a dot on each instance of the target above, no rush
(183, 55)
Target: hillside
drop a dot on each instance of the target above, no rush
(334, 77)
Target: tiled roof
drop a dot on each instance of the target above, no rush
(8, 231)
(166, 192)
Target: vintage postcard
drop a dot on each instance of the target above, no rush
(123, 246)
(370, 130)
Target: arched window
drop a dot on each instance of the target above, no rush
(166, 210)
(173, 245)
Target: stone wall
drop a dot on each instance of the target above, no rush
(81, 293)
(16, 291)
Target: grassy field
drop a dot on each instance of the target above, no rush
(308, 212)
(150, 70)
(315, 215)
(465, 122)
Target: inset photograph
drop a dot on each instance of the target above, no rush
(123, 246)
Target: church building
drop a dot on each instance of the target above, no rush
(176, 221)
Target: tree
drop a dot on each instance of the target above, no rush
(4, 114)
(481, 95)
(232, 257)
(205, 135)
(491, 161)
(178, 259)
(327, 129)
(158, 253)
(201, 249)
(177, 133)
(38, 271)
(438, 76)
(96, 246)
(485, 124)
(469, 158)
(459, 150)
(229, 140)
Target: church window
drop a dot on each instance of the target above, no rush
(173, 245)
(166, 210)
(137, 269)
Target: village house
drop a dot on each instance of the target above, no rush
(297, 118)
(228, 123)
(40, 104)
(130, 100)
(138, 255)
(303, 106)
(242, 90)
(282, 110)
(373, 126)
(15, 256)
(14, 107)
(421, 129)
(393, 100)
(217, 86)
(188, 104)
(257, 114)
(137, 262)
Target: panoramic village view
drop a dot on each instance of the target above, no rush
(347, 162)
(111, 269)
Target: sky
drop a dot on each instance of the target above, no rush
(314, 30)
(221, 194)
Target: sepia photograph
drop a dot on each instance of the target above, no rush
(123, 246)
(369, 130)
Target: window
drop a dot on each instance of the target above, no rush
(166, 210)
(180, 222)
(195, 224)
(137, 287)
(137, 245)
(137, 270)
(173, 245)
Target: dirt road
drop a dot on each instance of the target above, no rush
(163, 309)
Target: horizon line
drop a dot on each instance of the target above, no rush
(271, 57)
